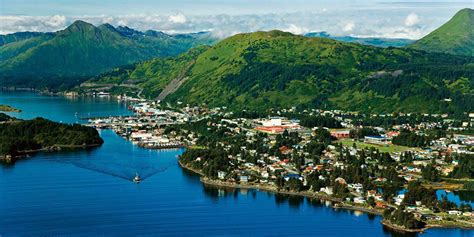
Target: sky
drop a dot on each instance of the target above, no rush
(361, 18)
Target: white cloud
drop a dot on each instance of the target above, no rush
(349, 27)
(107, 19)
(412, 19)
(56, 21)
(122, 22)
(179, 18)
(339, 23)
(15, 23)
(292, 28)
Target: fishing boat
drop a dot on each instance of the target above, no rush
(137, 178)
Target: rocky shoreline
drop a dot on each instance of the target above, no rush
(398, 228)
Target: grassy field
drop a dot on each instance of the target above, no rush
(443, 185)
(383, 148)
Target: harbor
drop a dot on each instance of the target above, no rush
(145, 127)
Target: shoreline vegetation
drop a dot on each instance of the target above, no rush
(234, 151)
(7, 108)
(25, 154)
(338, 202)
(21, 138)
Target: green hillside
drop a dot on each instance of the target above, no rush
(16, 48)
(83, 50)
(276, 69)
(19, 36)
(152, 76)
(454, 37)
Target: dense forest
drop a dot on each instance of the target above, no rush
(403, 218)
(411, 139)
(22, 136)
(465, 168)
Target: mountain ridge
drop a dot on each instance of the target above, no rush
(276, 69)
(83, 50)
(455, 36)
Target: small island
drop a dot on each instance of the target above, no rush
(7, 108)
(19, 138)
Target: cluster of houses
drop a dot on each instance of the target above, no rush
(147, 126)
(268, 168)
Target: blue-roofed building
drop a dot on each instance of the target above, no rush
(376, 139)
(293, 176)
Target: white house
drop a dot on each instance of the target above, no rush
(221, 174)
(359, 200)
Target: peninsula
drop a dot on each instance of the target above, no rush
(21, 137)
(7, 108)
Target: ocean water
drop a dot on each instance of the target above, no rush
(89, 192)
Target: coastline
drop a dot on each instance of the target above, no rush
(25, 154)
(398, 228)
(8, 109)
(268, 188)
(339, 204)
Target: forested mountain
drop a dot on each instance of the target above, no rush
(82, 50)
(454, 37)
(277, 69)
(151, 76)
(19, 36)
(15, 48)
(380, 42)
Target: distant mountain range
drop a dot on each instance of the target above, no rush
(379, 42)
(82, 50)
(454, 37)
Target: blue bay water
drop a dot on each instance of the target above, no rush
(84, 193)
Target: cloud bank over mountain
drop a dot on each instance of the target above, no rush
(380, 20)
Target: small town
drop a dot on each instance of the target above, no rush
(401, 166)
(237, 118)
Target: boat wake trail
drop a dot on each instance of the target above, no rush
(123, 171)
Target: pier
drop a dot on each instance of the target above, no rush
(145, 127)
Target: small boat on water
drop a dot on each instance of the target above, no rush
(137, 178)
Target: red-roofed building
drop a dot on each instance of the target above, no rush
(392, 134)
(339, 134)
(284, 150)
(271, 129)
(380, 205)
